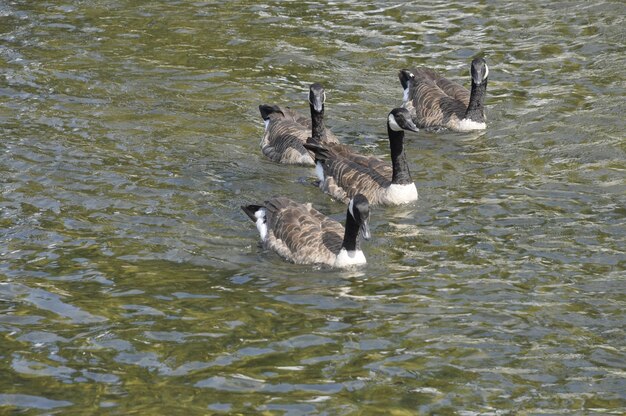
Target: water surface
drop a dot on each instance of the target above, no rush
(132, 283)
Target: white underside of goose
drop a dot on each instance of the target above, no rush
(397, 194)
(347, 258)
(405, 97)
(469, 125)
(261, 225)
(319, 171)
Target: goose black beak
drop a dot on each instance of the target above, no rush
(412, 127)
(317, 103)
(365, 230)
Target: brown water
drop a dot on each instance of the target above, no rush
(131, 282)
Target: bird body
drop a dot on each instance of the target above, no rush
(301, 234)
(436, 102)
(342, 172)
(286, 130)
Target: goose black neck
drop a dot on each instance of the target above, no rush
(351, 236)
(317, 123)
(401, 174)
(475, 110)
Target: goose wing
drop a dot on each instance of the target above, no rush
(297, 117)
(310, 236)
(370, 162)
(352, 178)
(450, 88)
(454, 90)
(283, 141)
(283, 127)
(436, 99)
(305, 121)
(373, 164)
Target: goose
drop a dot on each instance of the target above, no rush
(436, 102)
(343, 173)
(286, 130)
(301, 234)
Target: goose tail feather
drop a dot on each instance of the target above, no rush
(267, 109)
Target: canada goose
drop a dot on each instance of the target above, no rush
(286, 130)
(344, 173)
(303, 235)
(436, 102)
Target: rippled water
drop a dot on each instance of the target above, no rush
(131, 282)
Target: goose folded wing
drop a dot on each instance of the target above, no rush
(296, 117)
(353, 177)
(454, 90)
(433, 107)
(284, 138)
(370, 162)
(301, 229)
(284, 128)
(450, 88)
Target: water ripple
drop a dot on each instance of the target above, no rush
(130, 140)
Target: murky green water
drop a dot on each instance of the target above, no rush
(131, 282)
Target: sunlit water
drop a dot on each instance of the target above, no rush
(132, 283)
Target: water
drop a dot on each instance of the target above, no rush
(132, 283)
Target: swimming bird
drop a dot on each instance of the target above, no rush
(343, 173)
(301, 234)
(286, 130)
(436, 102)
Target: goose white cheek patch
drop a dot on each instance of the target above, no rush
(393, 124)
